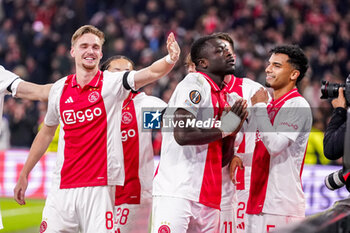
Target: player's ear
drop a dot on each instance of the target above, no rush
(203, 63)
(294, 75)
(72, 52)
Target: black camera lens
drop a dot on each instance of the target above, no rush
(330, 90)
(335, 180)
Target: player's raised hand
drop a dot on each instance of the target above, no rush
(240, 109)
(232, 121)
(20, 189)
(173, 48)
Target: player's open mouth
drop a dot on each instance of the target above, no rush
(231, 61)
(269, 77)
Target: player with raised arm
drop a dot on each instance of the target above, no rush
(187, 186)
(133, 201)
(87, 105)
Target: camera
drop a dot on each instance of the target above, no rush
(337, 180)
(331, 90)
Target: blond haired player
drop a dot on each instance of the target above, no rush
(87, 105)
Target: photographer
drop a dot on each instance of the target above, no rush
(333, 142)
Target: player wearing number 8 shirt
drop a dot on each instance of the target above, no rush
(133, 201)
(87, 105)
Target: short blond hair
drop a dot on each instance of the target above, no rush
(87, 29)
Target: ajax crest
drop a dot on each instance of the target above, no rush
(93, 96)
(126, 118)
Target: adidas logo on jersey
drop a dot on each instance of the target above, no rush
(69, 100)
(241, 226)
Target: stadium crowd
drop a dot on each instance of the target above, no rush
(35, 44)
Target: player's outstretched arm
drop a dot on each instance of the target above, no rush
(37, 150)
(22, 89)
(161, 67)
(6, 79)
(32, 91)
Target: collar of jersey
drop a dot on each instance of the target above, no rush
(95, 82)
(213, 85)
(229, 86)
(290, 94)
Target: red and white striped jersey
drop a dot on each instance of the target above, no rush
(275, 184)
(191, 172)
(90, 148)
(244, 88)
(137, 149)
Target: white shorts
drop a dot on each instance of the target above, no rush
(86, 209)
(227, 221)
(179, 215)
(264, 223)
(133, 218)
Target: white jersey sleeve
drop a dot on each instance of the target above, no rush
(6, 78)
(152, 102)
(293, 119)
(297, 118)
(188, 95)
(52, 117)
(114, 83)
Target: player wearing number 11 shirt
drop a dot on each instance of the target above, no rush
(187, 186)
(233, 195)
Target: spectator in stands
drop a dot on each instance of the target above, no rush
(23, 124)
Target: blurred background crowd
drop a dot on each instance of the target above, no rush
(35, 42)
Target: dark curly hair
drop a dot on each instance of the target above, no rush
(198, 48)
(297, 58)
